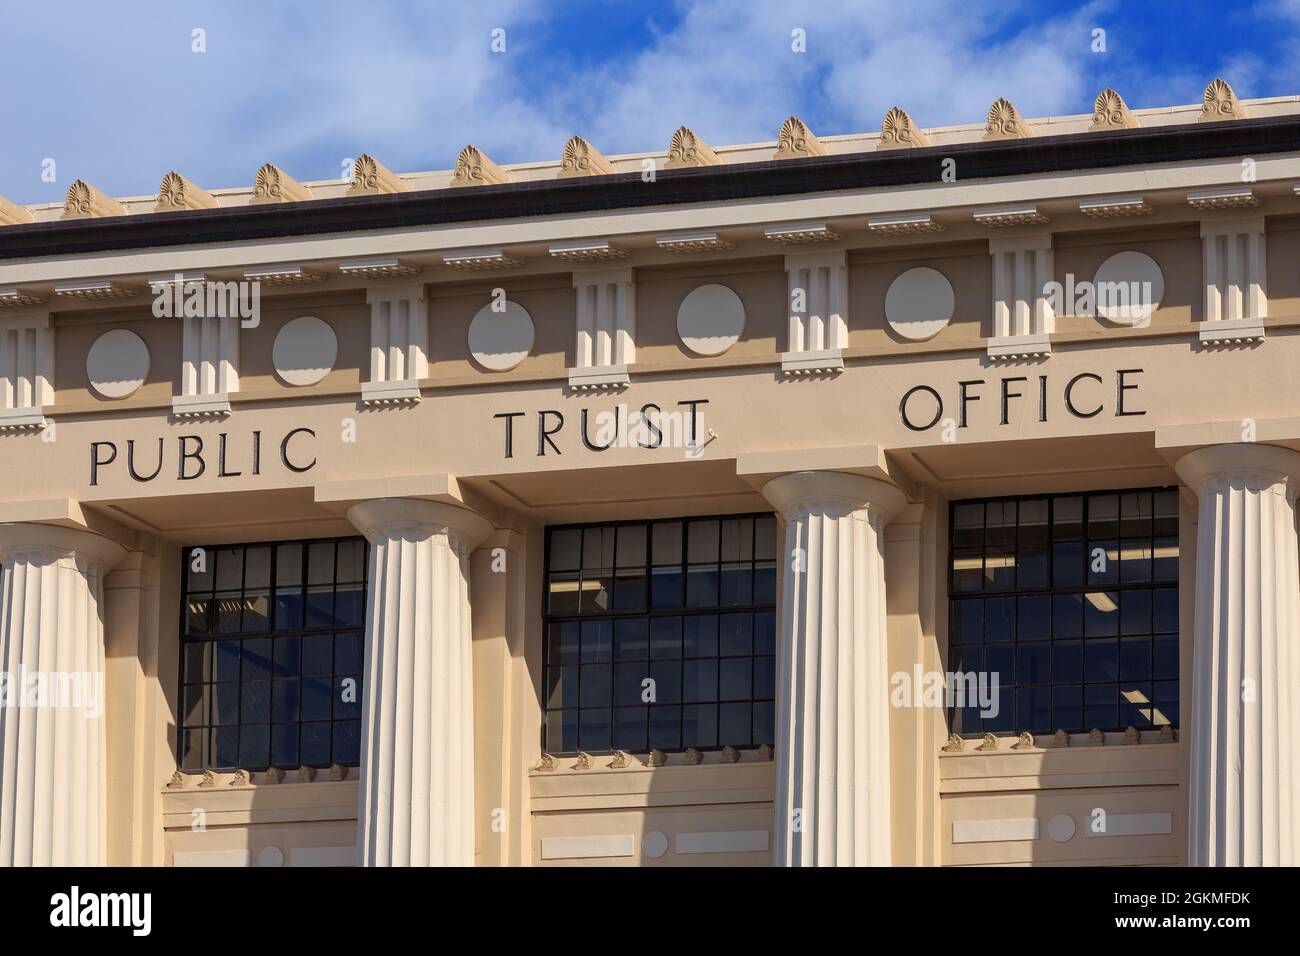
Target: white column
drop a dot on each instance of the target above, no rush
(52, 775)
(1023, 320)
(832, 734)
(26, 371)
(817, 292)
(399, 345)
(417, 758)
(1245, 751)
(1235, 280)
(605, 345)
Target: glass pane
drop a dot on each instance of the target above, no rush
(597, 549)
(566, 545)
(352, 561)
(230, 569)
(631, 546)
(702, 541)
(667, 543)
(257, 567)
(288, 565)
(320, 562)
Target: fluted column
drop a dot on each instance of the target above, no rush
(52, 776)
(417, 758)
(832, 734)
(1244, 743)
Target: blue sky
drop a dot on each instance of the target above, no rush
(119, 98)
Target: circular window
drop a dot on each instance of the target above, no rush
(919, 303)
(117, 364)
(501, 340)
(305, 351)
(710, 319)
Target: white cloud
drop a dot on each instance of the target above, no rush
(305, 85)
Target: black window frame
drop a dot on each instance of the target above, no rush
(1052, 590)
(271, 633)
(649, 612)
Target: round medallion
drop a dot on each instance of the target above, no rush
(1128, 287)
(117, 364)
(919, 303)
(654, 844)
(501, 340)
(1061, 827)
(710, 319)
(305, 351)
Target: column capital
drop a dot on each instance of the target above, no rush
(834, 491)
(1240, 458)
(395, 516)
(57, 542)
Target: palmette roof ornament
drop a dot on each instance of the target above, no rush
(1131, 735)
(1096, 738)
(582, 159)
(177, 782)
(897, 131)
(797, 141)
(990, 742)
(473, 168)
(370, 177)
(546, 764)
(1220, 103)
(1061, 738)
(622, 760)
(693, 756)
(1111, 112)
(730, 754)
(1005, 122)
(242, 778)
(275, 185)
(687, 149)
(955, 744)
(86, 202)
(175, 193)
(1024, 742)
(583, 762)
(12, 214)
(658, 758)
(209, 779)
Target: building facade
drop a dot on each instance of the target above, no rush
(921, 497)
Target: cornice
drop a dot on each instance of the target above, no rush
(615, 191)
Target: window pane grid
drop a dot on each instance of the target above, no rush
(682, 655)
(278, 682)
(1079, 620)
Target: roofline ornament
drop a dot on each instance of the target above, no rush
(686, 149)
(897, 131)
(1005, 122)
(176, 193)
(1111, 112)
(797, 141)
(275, 185)
(370, 177)
(86, 202)
(473, 168)
(12, 214)
(583, 159)
(1220, 103)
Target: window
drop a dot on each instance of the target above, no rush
(660, 634)
(1072, 600)
(272, 639)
